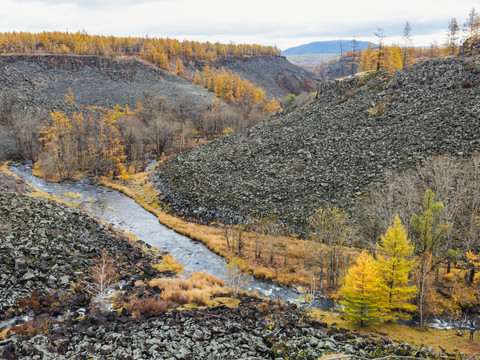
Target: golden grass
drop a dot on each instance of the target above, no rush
(330, 356)
(413, 335)
(4, 333)
(168, 263)
(72, 195)
(196, 290)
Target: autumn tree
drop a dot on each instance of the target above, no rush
(394, 263)
(367, 61)
(197, 79)
(360, 291)
(429, 228)
(56, 137)
(392, 60)
(70, 97)
(179, 65)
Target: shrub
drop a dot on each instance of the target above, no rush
(33, 327)
(152, 306)
(31, 302)
(177, 297)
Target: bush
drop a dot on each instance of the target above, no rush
(177, 297)
(152, 306)
(34, 327)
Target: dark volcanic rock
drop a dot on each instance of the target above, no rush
(329, 149)
(48, 248)
(274, 74)
(215, 333)
(94, 80)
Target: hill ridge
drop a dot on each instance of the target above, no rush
(328, 150)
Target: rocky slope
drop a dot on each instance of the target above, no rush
(329, 149)
(255, 329)
(274, 74)
(94, 80)
(51, 248)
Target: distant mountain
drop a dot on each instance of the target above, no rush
(324, 47)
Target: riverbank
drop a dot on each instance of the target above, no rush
(290, 253)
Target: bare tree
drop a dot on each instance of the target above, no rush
(273, 228)
(354, 56)
(161, 134)
(471, 26)
(331, 228)
(103, 277)
(380, 34)
(407, 42)
(452, 35)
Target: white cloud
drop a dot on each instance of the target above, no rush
(281, 22)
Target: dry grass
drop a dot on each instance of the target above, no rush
(4, 333)
(198, 289)
(413, 335)
(72, 195)
(150, 306)
(290, 272)
(169, 264)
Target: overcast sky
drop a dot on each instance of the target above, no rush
(284, 23)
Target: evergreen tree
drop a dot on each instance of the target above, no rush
(394, 266)
(361, 291)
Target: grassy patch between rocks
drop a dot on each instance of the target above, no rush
(413, 335)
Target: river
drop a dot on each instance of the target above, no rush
(124, 213)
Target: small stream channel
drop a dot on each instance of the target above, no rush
(124, 213)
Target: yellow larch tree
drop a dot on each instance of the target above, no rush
(360, 291)
(57, 144)
(394, 263)
(179, 67)
(394, 60)
(70, 98)
(367, 61)
(197, 79)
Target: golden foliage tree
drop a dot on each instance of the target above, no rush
(360, 291)
(179, 65)
(57, 144)
(80, 43)
(394, 263)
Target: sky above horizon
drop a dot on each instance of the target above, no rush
(282, 23)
